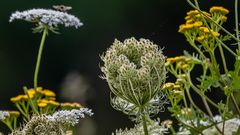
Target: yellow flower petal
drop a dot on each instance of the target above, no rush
(41, 105)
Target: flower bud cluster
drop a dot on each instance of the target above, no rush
(134, 70)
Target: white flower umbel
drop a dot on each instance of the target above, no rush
(70, 116)
(154, 128)
(3, 115)
(47, 17)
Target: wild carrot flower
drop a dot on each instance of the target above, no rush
(135, 70)
(47, 17)
(70, 117)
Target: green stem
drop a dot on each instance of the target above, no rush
(200, 93)
(223, 58)
(235, 103)
(192, 102)
(23, 112)
(236, 22)
(196, 48)
(8, 124)
(31, 101)
(144, 125)
(206, 106)
(186, 125)
(39, 57)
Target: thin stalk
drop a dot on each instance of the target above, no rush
(30, 100)
(39, 57)
(196, 48)
(206, 106)
(172, 130)
(199, 93)
(144, 125)
(8, 123)
(15, 123)
(235, 104)
(223, 58)
(236, 22)
(184, 100)
(191, 100)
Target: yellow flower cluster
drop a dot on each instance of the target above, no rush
(194, 23)
(205, 34)
(31, 93)
(195, 15)
(190, 25)
(177, 59)
(47, 93)
(218, 10)
(174, 89)
(21, 98)
(68, 105)
(44, 103)
(182, 62)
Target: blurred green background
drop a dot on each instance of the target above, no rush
(70, 63)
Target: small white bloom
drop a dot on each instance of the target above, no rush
(217, 118)
(70, 116)
(4, 114)
(48, 17)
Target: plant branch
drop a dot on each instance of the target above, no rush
(45, 31)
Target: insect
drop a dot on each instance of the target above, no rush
(62, 8)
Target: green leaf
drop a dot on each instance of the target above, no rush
(209, 81)
(235, 74)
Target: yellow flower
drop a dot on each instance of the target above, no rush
(197, 24)
(176, 86)
(41, 105)
(31, 92)
(192, 12)
(26, 97)
(53, 103)
(189, 21)
(200, 38)
(176, 59)
(16, 99)
(48, 93)
(14, 113)
(177, 92)
(218, 9)
(70, 105)
(185, 27)
(188, 17)
(168, 86)
(223, 18)
(216, 34)
(185, 66)
(204, 29)
(77, 105)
